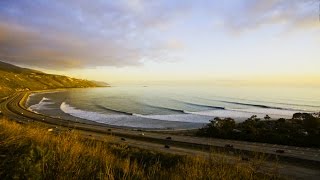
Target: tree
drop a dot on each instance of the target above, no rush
(267, 117)
(228, 124)
(297, 116)
(254, 118)
(311, 122)
(217, 119)
(282, 120)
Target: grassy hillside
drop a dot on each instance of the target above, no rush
(31, 152)
(14, 78)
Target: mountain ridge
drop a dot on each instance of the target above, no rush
(15, 78)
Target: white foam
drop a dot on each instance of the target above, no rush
(270, 111)
(94, 116)
(145, 121)
(243, 114)
(41, 105)
(29, 97)
(116, 120)
(112, 119)
(136, 120)
(192, 118)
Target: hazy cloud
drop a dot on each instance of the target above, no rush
(72, 34)
(83, 33)
(292, 14)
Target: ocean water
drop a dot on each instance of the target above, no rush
(177, 107)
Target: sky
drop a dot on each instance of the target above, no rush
(154, 41)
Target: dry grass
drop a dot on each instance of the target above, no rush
(30, 152)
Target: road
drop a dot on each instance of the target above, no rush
(293, 157)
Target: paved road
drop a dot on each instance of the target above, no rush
(13, 108)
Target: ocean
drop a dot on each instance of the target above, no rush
(173, 107)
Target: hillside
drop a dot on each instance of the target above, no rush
(32, 152)
(14, 78)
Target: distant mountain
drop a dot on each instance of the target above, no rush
(101, 83)
(14, 78)
(15, 69)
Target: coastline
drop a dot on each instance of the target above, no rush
(80, 113)
(181, 140)
(188, 120)
(176, 125)
(91, 122)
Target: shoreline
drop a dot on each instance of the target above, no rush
(15, 112)
(91, 122)
(185, 125)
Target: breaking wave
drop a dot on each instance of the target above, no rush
(255, 105)
(134, 120)
(203, 105)
(113, 110)
(41, 105)
(165, 108)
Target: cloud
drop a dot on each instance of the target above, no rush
(292, 14)
(175, 44)
(75, 34)
(83, 33)
(23, 45)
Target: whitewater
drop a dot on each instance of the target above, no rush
(173, 107)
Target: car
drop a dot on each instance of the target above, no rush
(279, 151)
(168, 138)
(228, 146)
(166, 146)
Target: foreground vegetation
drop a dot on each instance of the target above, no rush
(32, 152)
(14, 78)
(302, 130)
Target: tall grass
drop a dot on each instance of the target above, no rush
(31, 152)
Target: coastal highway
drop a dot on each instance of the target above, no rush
(14, 109)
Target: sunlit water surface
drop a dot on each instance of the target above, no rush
(174, 107)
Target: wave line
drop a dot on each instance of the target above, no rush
(113, 110)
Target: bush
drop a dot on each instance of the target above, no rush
(302, 130)
(31, 152)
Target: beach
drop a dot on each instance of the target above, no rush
(159, 108)
(14, 109)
